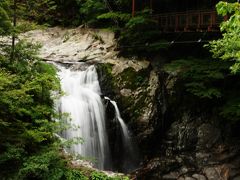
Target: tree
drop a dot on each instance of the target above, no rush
(43, 11)
(26, 128)
(5, 22)
(228, 47)
(90, 10)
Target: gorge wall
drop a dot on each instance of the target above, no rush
(178, 137)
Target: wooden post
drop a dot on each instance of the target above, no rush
(199, 21)
(133, 8)
(211, 21)
(187, 22)
(176, 22)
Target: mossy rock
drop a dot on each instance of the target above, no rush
(132, 79)
(131, 107)
(106, 79)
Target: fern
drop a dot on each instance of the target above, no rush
(124, 17)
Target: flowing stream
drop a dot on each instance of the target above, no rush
(86, 115)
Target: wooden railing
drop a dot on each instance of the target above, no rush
(188, 21)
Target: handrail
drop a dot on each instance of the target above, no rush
(201, 20)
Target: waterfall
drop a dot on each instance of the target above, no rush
(125, 133)
(129, 153)
(86, 116)
(86, 111)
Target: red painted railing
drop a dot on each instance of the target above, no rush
(206, 20)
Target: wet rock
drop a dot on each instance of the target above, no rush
(208, 135)
(213, 173)
(181, 178)
(106, 80)
(202, 158)
(133, 85)
(184, 134)
(199, 177)
(170, 176)
(158, 168)
(189, 178)
(126, 92)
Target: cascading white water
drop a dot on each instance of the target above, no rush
(126, 136)
(129, 153)
(83, 103)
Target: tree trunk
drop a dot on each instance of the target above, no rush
(14, 26)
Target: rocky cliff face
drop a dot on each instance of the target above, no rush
(194, 144)
(133, 83)
(175, 140)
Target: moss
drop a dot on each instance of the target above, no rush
(108, 68)
(127, 102)
(131, 79)
(135, 105)
(106, 79)
(105, 67)
(140, 104)
(86, 173)
(132, 107)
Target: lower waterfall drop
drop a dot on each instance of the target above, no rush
(86, 111)
(129, 152)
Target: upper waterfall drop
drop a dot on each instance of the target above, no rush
(84, 105)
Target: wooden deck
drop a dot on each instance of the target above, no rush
(190, 21)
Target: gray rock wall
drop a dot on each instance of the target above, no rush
(176, 139)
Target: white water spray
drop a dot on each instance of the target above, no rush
(129, 152)
(85, 108)
(125, 132)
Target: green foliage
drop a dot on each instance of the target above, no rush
(32, 10)
(201, 77)
(231, 110)
(211, 82)
(139, 22)
(98, 176)
(67, 12)
(27, 142)
(131, 79)
(24, 26)
(98, 38)
(119, 16)
(228, 47)
(48, 12)
(141, 36)
(90, 10)
(5, 22)
(124, 5)
(43, 165)
(29, 146)
(225, 8)
(75, 174)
